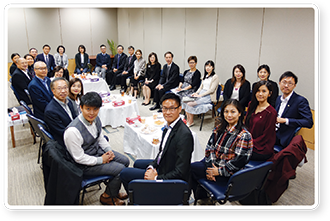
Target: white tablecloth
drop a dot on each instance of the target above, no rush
(116, 116)
(140, 145)
(98, 86)
(23, 120)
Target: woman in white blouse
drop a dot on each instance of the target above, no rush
(139, 72)
(205, 94)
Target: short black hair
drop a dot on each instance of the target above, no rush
(169, 53)
(131, 47)
(120, 46)
(83, 47)
(46, 45)
(91, 99)
(171, 96)
(33, 49)
(289, 74)
(14, 54)
(102, 45)
(58, 48)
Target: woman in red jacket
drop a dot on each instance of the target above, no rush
(260, 121)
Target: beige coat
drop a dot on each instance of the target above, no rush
(212, 91)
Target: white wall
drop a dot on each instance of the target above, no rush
(283, 38)
(34, 27)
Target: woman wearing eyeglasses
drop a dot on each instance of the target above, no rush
(204, 95)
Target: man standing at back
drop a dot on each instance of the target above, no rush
(117, 67)
(39, 89)
(128, 68)
(168, 80)
(47, 58)
(293, 110)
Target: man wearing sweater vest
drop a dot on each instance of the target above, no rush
(91, 151)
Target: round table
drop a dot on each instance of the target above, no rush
(94, 83)
(116, 116)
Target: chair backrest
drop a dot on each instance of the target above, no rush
(245, 181)
(26, 107)
(45, 134)
(15, 93)
(34, 123)
(155, 192)
(27, 93)
(219, 91)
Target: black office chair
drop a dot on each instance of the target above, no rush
(15, 92)
(29, 111)
(239, 185)
(155, 192)
(34, 123)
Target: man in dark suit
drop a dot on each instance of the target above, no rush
(292, 109)
(39, 89)
(168, 80)
(175, 149)
(117, 67)
(47, 58)
(21, 79)
(128, 68)
(59, 112)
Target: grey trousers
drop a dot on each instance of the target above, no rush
(101, 72)
(112, 168)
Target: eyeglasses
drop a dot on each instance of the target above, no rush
(42, 69)
(290, 84)
(170, 109)
(61, 88)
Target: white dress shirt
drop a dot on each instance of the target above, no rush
(73, 141)
(284, 102)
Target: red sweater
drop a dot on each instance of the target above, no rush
(262, 129)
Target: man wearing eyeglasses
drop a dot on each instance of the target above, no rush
(293, 110)
(176, 147)
(59, 112)
(39, 89)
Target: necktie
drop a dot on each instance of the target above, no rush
(130, 58)
(47, 60)
(118, 61)
(161, 144)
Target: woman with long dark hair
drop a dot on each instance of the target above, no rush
(260, 121)
(205, 94)
(76, 90)
(263, 72)
(237, 87)
(228, 149)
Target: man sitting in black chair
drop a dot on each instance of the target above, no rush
(88, 147)
(176, 147)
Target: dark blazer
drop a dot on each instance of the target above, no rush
(122, 62)
(196, 79)
(20, 82)
(99, 62)
(77, 59)
(273, 97)
(172, 79)
(40, 96)
(176, 157)
(129, 66)
(57, 119)
(12, 69)
(244, 94)
(299, 114)
(51, 64)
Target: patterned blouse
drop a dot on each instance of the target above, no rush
(229, 151)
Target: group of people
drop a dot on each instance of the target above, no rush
(72, 116)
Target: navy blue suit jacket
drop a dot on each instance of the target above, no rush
(57, 119)
(20, 82)
(299, 114)
(40, 96)
(122, 62)
(51, 64)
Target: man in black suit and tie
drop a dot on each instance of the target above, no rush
(21, 79)
(168, 80)
(175, 149)
(47, 58)
(59, 112)
(117, 67)
(128, 68)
